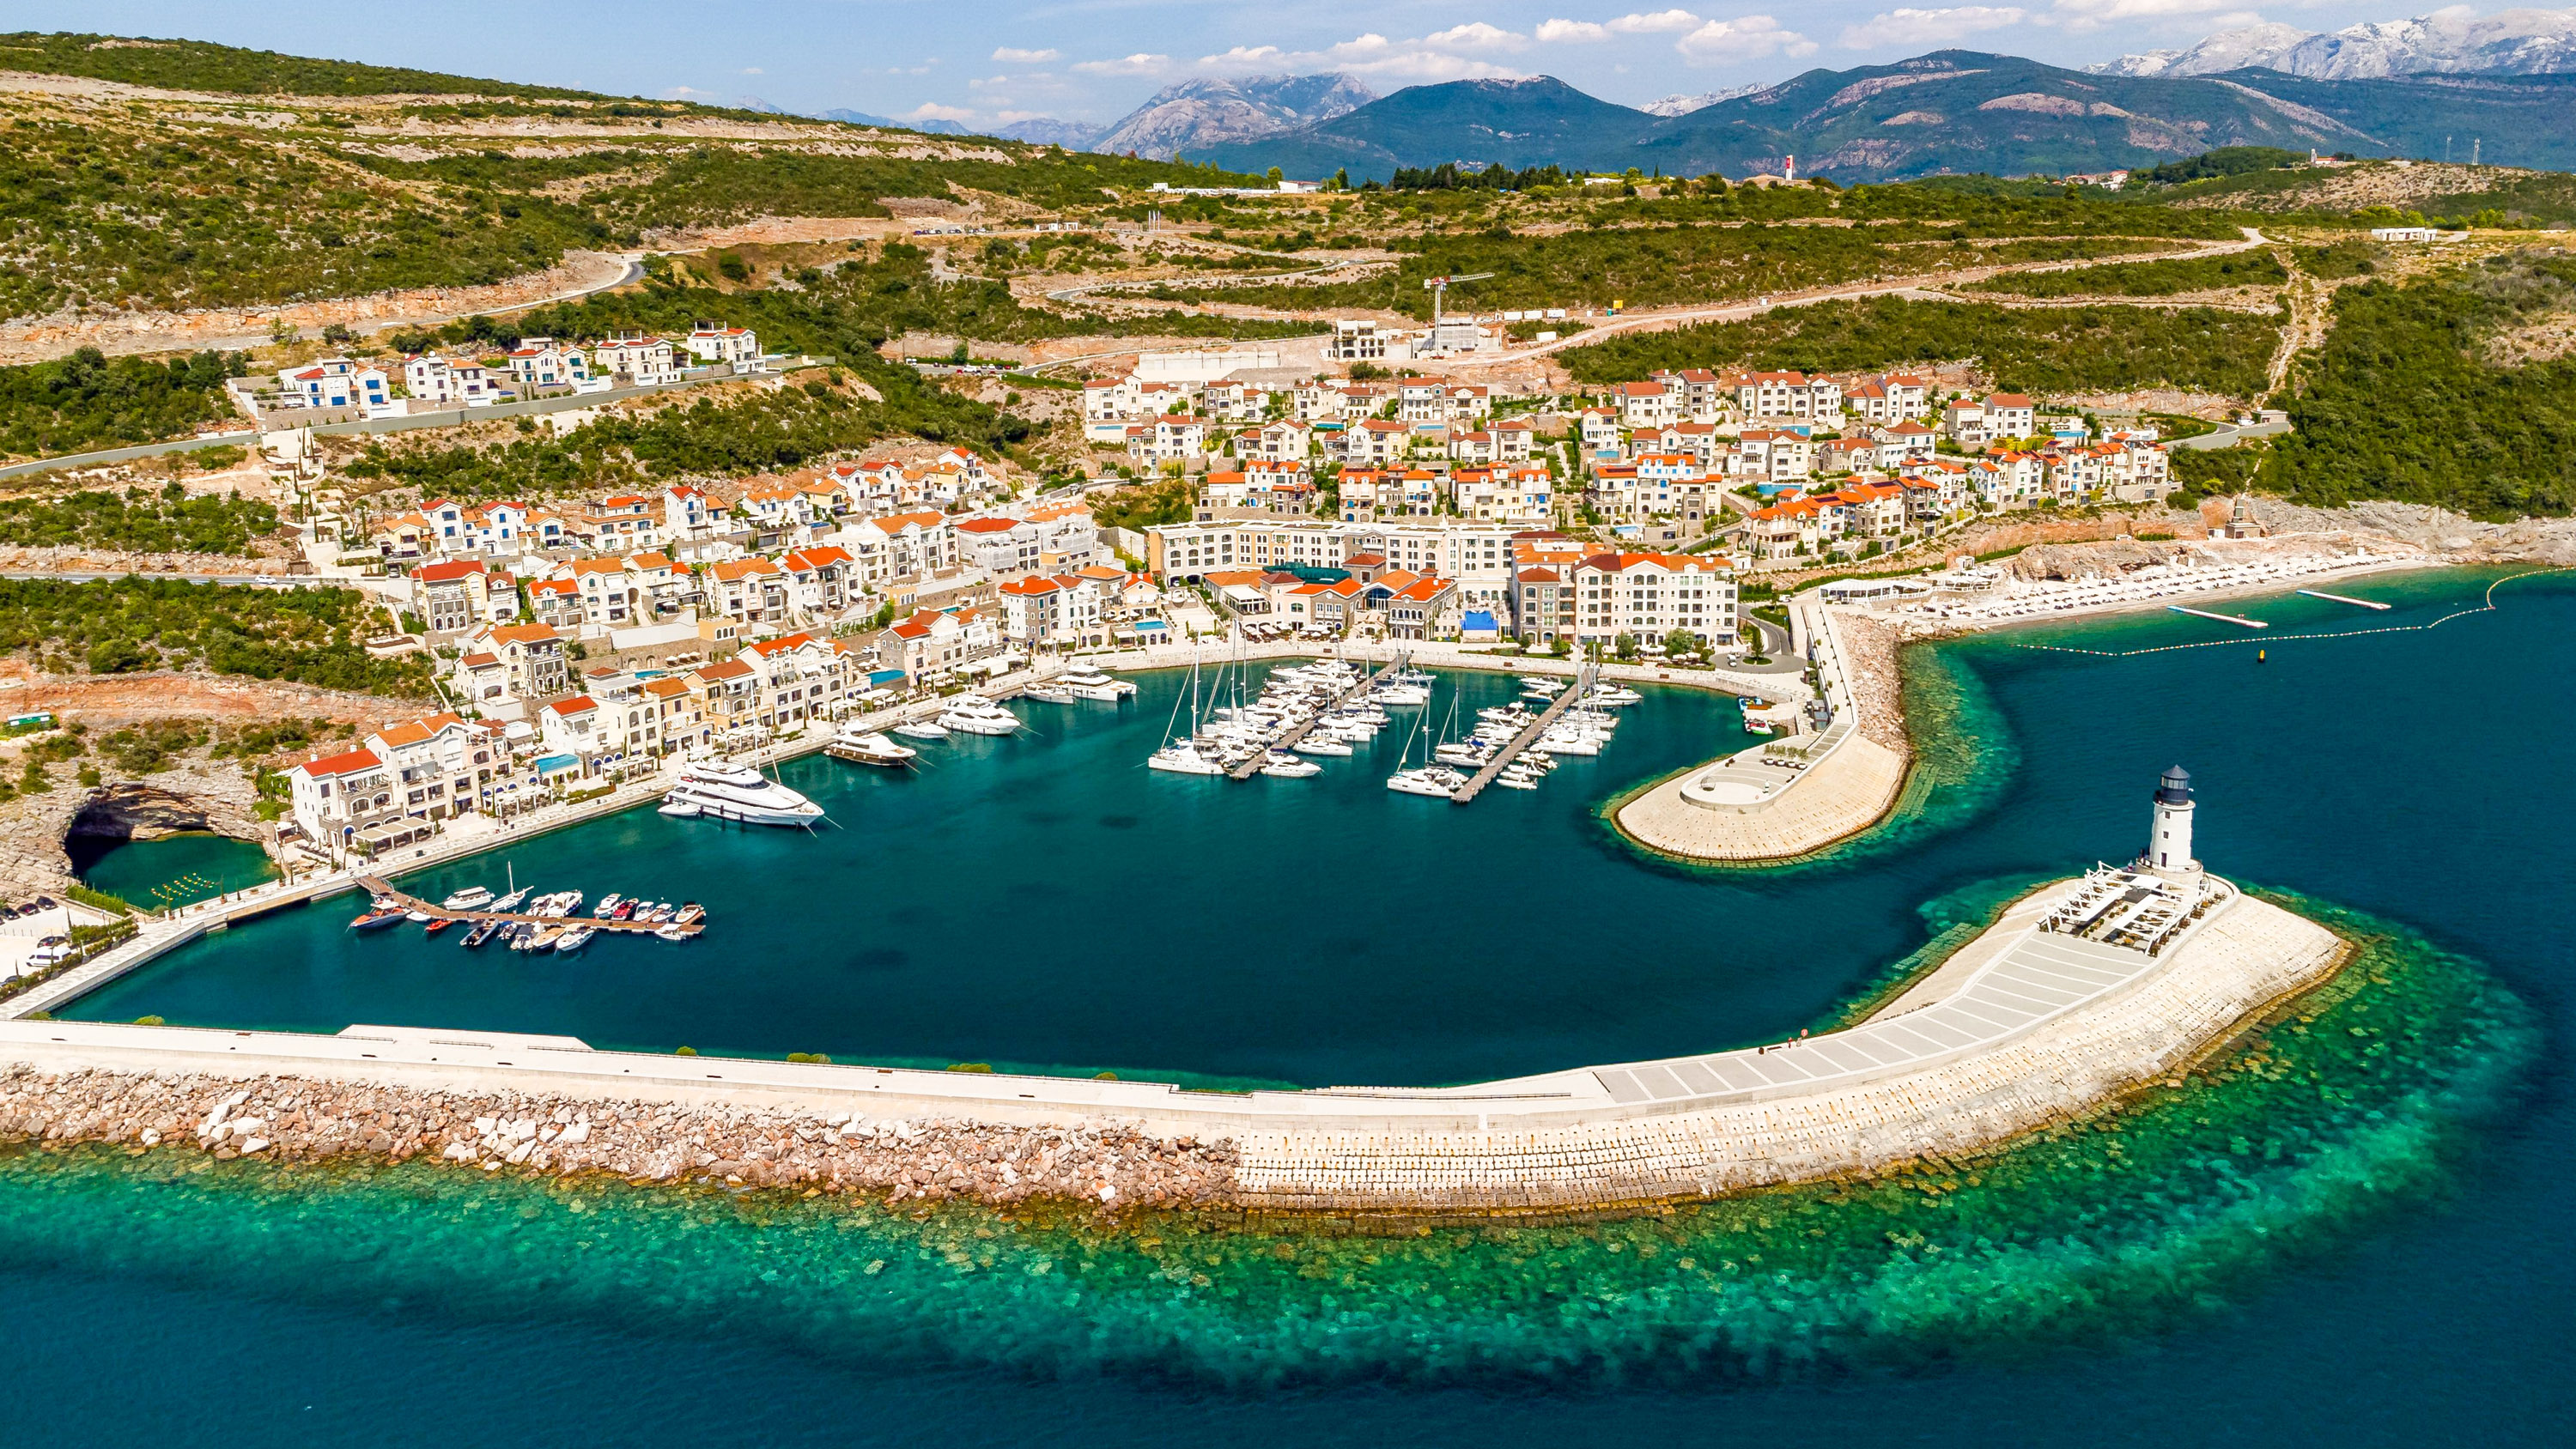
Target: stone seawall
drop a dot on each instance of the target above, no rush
(1556, 1142)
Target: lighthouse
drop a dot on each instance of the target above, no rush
(2169, 844)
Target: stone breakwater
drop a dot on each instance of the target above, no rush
(296, 1119)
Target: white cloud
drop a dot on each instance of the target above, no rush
(688, 93)
(932, 111)
(753, 70)
(2083, 15)
(1137, 64)
(1660, 22)
(1434, 57)
(1475, 36)
(1750, 37)
(1010, 55)
(1586, 31)
(1912, 27)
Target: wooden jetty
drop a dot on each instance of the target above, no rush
(1584, 679)
(383, 890)
(2222, 618)
(2340, 599)
(1289, 741)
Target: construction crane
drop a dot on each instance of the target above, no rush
(1438, 287)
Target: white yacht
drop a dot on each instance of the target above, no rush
(1426, 780)
(472, 898)
(1286, 766)
(1182, 757)
(739, 793)
(1319, 743)
(1052, 691)
(1087, 682)
(921, 729)
(1613, 695)
(976, 715)
(869, 747)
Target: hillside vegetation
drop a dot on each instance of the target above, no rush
(2146, 279)
(135, 521)
(197, 65)
(86, 401)
(2049, 352)
(2404, 401)
(120, 626)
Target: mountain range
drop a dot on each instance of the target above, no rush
(1947, 112)
(1195, 115)
(2447, 42)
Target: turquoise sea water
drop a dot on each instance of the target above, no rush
(171, 871)
(2315, 1245)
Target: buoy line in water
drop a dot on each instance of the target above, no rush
(2487, 607)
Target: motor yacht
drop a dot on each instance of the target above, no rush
(921, 729)
(1426, 780)
(472, 898)
(1329, 746)
(1182, 757)
(738, 793)
(1052, 692)
(870, 747)
(573, 939)
(1614, 695)
(679, 810)
(1283, 765)
(1089, 683)
(976, 715)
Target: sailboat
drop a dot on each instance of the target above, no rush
(1180, 752)
(1427, 778)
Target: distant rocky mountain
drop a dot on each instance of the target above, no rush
(1196, 115)
(2509, 42)
(863, 118)
(1684, 105)
(1951, 111)
(1048, 131)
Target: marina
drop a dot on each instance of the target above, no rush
(403, 906)
(1585, 682)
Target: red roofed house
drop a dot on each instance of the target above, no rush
(441, 765)
(333, 797)
(531, 657)
(573, 727)
(459, 594)
(751, 590)
(821, 581)
(997, 545)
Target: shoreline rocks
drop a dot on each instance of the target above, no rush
(292, 1119)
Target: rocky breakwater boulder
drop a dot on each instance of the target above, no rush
(293, 1119)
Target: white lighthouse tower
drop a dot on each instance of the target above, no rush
(2169, 845)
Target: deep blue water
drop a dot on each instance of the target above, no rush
(1255, 932)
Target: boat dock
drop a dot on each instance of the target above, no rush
(2222, 618)
(1289, 741)
(383, 890)
(2340, 599)
(1584, 679)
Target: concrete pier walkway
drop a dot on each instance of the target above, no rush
(1565, 700)
(1297, 735)
(384, 891)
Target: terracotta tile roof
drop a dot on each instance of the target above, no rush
(343, 764)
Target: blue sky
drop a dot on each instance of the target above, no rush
(988, 61)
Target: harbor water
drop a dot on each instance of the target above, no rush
(2359, 1235)
(173, 870)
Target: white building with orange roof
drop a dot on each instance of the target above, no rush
(609, 598)
(749, 590)
(1651, 595)
(454, 595)
(440, 765)
(734, 347)
(686, 512)
(459, 382)
(539, 362)
(335, 382)
(334, 796)
(1646, 405)
(800, 679)
(578, 726)
(900, 545)
(774, 506)
(531, 657)
(1522, 495)
(997, 545)
(933, 643)
(821, 580)
(556, 602)
(874, 485)
(635, 359)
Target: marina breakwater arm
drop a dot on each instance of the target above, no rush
(1781, 801)
(2051, 1025)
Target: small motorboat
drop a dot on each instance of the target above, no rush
(921, 729)
(483, 931)
(1282, 765)
(872, 748)
(671, 933)
(438, 924)
(689, 914)
(1510, 781)
(472, 898)
(606, 910)
(625, 908)
(573, 939)
(1331, 746)
(376, 919)
(679, 810)
(1051, 692)
(418, 917)
(539, 938)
